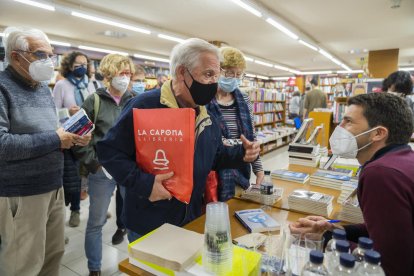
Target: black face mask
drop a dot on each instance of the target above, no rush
(202, 94)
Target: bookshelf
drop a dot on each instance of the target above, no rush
(269, 113)
(339, 109)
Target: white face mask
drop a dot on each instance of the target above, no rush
(41, 70)
(344, 143)
(120, 83)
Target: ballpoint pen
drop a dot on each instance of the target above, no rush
(334, 221)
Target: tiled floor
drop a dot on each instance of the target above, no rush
(74, 261)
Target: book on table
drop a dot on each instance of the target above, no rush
(257, 220)
(290, 176)
(311, 202)
(168, 246)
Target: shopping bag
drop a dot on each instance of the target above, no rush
(210, 194)
(164, 142)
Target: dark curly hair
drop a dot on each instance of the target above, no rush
(389, 111)
(401, 80)
(68, 61)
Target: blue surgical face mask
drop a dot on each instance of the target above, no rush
(228, 84)
(138, 87)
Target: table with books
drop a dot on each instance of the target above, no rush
(237, 229)
(284, 210)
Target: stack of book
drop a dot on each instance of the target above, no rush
(328, 179)
(351, 211)
(347, 188)
(79, 123)
(302, 154)
(290, 176)
(253, 194)
(342, 163)
(311, 202)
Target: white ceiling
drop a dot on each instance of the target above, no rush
(335, 25)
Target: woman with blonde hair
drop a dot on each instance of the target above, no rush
(234, 112)
(104, 108)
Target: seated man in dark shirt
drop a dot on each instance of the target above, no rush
(376, 129)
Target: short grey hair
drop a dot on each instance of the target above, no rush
(187, 53)
(15, 38)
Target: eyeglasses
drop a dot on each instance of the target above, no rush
(232, 74)
(40, 55)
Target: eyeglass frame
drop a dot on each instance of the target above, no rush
(45, 56)
(224, 71)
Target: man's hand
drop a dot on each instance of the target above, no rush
(158, 190)
(311, 224)
(67, 139)
(252, 149)
(73, 110)
(259, 178)
(83, 140)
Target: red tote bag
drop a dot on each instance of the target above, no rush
(164, 142)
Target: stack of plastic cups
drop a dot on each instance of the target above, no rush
(218, 247)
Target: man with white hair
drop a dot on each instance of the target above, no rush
(195, 69)
(31, 160)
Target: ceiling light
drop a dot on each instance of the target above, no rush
(308, 45)
(262, 77)
(102, 50)
(365, 50)
(37, 4)
(151, 58)
(334, 60)
(350, 71)
(325, 53)
(263, 63)
(345, 67)
(248, 58)
(352, 51)
(172, 38)
(282, 28)
(317, 73)
(65, 44)
(250, 75)
(247, 8)
(110, 22)
(281, 67)
(283, 78)
(295, 72)
(1, 34)
(406, 68)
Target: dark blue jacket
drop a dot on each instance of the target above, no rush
(116, 152)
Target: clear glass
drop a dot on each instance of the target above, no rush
(370, 270)
(218, 247)
(311, 269)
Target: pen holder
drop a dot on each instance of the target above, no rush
(218, 248)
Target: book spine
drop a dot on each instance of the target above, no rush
(243, 222)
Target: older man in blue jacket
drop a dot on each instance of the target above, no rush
(195, 68)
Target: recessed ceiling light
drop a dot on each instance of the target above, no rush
(114, 34)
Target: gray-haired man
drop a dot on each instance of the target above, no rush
(31, 161)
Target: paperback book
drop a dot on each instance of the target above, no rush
(79, 123)
(311, 202)
(257, 220)
(290, 176)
